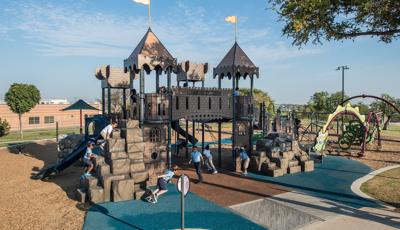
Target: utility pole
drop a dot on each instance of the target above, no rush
(343, 68)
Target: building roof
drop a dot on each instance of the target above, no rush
(236, 63)
(149, 54)
(114, 77)
(193, 72)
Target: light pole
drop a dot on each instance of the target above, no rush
(343, 67)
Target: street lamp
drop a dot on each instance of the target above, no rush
(343, 67)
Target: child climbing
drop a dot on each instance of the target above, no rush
(162, 182)
(197, 160)
(209, 160)
(107, 131)
(244, 157)
(87, 158)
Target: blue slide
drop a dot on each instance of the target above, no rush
(65, 163)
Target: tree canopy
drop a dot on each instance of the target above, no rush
(21, 98)
(337, 19)
(260, 96)
(324, 102)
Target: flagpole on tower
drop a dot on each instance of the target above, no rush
(236, 31)
(149, 16)
(233, 20)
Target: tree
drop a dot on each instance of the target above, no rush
(21, 98)
(4, 127)
(319, 101)
(334, 100)
(338, 20)
(260, 96)
(386, 109)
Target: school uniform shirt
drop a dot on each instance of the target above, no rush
(88, 154)
(168, 175)
(243, 155)
(207, 153)
(107, 130)
(196, 156)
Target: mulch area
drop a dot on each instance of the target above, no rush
(227, 188)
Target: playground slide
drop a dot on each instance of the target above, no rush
(182, 132)
(65, 163)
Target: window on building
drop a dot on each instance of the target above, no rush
(49, 119)
(34, 120)
(220, 103)
(187, 103)
(149, 109)
(198, 102)
(163, 110)
(159, 109)
(155, 135)
(177, 103)
(209, 103)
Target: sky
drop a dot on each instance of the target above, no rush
(57, 45)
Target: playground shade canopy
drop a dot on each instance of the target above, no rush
(80, 105)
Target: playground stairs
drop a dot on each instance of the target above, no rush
(119, 173)
(277, 163)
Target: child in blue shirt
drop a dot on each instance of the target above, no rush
(87, 158)
(245, 159)
(197, 160)
(162, 182)
(209, 160)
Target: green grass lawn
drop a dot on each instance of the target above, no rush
(392, 131)
(37, 134)
(385, 187)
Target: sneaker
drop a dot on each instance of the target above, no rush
(215, 172)
(155, 197)
(88, 174)
(244, 174)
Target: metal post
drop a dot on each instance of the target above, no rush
(233, 121)
(157, 81)
(202, 137)
(124, 103)
(169, 92)
(182, 203)
(103, 101)
(141, 97)
(187, 138)
(251, 116)
(219, 132)
(109, 100)
(176, 138)
(57, 131)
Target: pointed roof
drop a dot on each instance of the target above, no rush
(149, 53)
(80, 105)
(236, 62)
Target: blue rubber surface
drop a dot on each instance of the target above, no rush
(331, 180)
(199, 213)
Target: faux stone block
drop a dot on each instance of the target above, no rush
(116, 155)
(307, 166)
(139, 194)
(238, 165)
(275, 172)
(116, 134)
(123, 190)
(288, 155)
(302, 158)
(103, 170)
(129, 124)
(137, 167)
(136, 155)
(294, 169)
(89, 182)
(96, 195)
(80, 195)
(133, 135)
(115, 145)
(273, 154)
(98, 160)
(293, 163)
(281, 162)
(267, 166)
(256, 163)
(106, 183)
(120, 166)
(135, 147)
(142, 185)
(140, 176)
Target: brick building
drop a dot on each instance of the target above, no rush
(45, 116)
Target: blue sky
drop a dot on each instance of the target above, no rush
(57, 45)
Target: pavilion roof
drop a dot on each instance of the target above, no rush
(236, 63)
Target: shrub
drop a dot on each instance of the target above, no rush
(4, 127)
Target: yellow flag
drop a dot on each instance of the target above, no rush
(231, 19)
(145, 2)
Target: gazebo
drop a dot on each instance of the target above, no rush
(234, 65)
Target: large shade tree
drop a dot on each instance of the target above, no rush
(260, 96)
(386, 109)
(21, 98)
(315, 21)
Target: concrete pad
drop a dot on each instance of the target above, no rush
(120, 166)
(123, 190)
